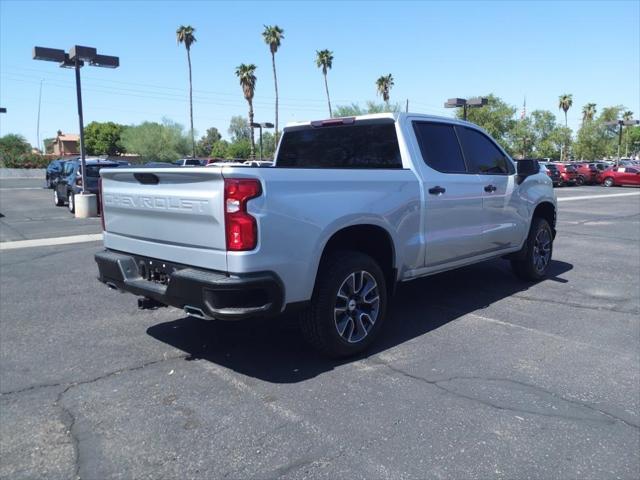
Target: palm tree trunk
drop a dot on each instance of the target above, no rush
(193, 141)
(565, 145)
(253, 143)
(275, 81)
(326, 87)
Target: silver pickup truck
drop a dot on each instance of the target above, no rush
(351, 207)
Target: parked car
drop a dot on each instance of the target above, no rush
(568, 174)
(352, 207)
(554, 174)
(189, 162)
(54, 170)
(587, 173)
(70, 181)
(618, 176)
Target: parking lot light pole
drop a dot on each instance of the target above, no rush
(75, 59)
(466, 104)
(261, 126)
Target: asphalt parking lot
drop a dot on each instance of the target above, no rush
(479, 375)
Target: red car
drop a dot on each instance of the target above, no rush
(617, 176)
(587, 173)
(568, 174)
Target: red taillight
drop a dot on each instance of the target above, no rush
(241, 228)
(101, 203)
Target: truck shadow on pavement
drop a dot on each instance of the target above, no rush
(274, 350)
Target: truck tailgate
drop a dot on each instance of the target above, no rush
(173, 214)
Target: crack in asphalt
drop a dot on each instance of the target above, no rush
(437, 383)
(576, 305)
(68, 418)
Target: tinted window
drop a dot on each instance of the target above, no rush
(439, 147)
(481, 153)
(632, 170)
(93, 171)
(363, 145)
(69, 168)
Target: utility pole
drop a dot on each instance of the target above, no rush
(38, 124)
(407, 107)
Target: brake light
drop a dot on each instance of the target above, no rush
(101, 203)
(332, 122)
(241, 228)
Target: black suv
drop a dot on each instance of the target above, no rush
(54, 170)
(70, 181)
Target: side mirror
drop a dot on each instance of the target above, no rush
(527, 167)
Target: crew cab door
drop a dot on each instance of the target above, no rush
(453, 197)
(502, 225)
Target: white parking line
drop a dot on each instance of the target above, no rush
(22, 188)
(48, 242)
(587, 197)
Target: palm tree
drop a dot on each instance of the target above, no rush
(628, 115)
(246, 74)
(272, 35)
(184, 34)
(565, 102)
(588, 112)
(324, 60)
(384, 84)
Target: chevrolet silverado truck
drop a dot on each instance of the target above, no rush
(351, 207)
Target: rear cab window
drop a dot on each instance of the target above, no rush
(366, 144)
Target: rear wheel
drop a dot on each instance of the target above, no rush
(608, 182)
(580, 181)
(348, 305)
(58, 202)
(535, 257)
(72, 203)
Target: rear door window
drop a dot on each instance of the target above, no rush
(481, 154)
(439, 147)
(363, 145)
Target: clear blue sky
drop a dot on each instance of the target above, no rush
(435, 50)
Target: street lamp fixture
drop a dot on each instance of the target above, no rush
(620, 124)
(466, 104)
(261, 126)
(76, 59)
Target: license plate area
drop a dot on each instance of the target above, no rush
(156, 271)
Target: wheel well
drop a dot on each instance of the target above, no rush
(369, 239)
(547, 211)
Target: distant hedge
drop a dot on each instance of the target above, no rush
(25, 160)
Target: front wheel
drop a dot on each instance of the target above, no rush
(348, 305)
(608, 182)
(534, 259)
(580, 181)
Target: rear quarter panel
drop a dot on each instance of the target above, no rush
(301, 209)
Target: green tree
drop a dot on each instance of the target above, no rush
(272, 36)
(219, 149)
(12, 146)
(497, 118)
(159, 142)
(48, 145)
(324, 60)
(355, 109)
(103, 138)
(628, 115)
(205, 144)
(246, 74)
(240, 149)
(383, 87)
(185, 35)
(565, 101)
(588, 112)
(632, 142)
(239, 128)
(268, 145)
